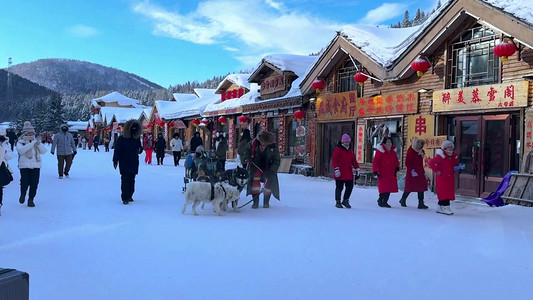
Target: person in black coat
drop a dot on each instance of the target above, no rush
(195, 142)
(126, 156)
(160, 146)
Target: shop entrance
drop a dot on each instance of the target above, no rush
(332, 135)
(486, 147)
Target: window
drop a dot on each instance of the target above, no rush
(345, 81)
(472, 60)
(379, 129)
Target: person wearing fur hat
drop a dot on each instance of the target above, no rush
(415, 178)
(445, 164)
(5, 155)
(263, 160)
(63, 142)
(345, 167)
(126, 156)
(385, 166)
(29, 151)
(160, 146)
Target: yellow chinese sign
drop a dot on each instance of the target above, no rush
(495, 96)
(360, 153)
(528, 138)
(420, 126)
(433, 142)
(340, 106)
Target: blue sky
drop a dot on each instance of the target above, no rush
(170, 42)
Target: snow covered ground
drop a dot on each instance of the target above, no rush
(81, 242)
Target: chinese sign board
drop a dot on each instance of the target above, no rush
(273, 84)
(420, 126)
(361, 144)
(528, 138)
(496, 96)
(433, 142)
(346, 105)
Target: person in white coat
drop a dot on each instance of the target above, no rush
(29, 151)
(177, 147)
(5, 155)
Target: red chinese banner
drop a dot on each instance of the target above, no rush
(495, 96)
(361, 144)
(341, 106)
(528, 138)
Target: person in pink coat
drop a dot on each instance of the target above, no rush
(345, 167)
(384, 167)
(415, 177)
(444, 164)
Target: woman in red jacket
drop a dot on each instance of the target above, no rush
(385, 166)
(415, 177)
(444, 164)
(345, 167)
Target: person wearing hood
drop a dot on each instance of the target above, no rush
(385, 166)
(160, 146)
(29, 151)
(415, 177)
(126, 156)
(196, 141)
(345, 167)
(263, 156)
(445, 164)
(5, 154)
(66, 150)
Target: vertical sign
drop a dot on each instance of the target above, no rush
(528, 138)
(360, 152)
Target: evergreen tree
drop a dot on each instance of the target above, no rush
(406, 22)
(56, 114)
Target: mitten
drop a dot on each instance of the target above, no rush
(356, 171)
(337, 172)
(459, 167)
(375, 174)
(414, 173)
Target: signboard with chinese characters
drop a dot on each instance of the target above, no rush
(433, 142)
(528, 131)
(495, 96)
(361, 144)
(420, 126)
(272, 84)
(341, 106)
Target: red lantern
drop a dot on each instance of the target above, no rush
(420, 65)
(222, 120)
(161, 124)
(243, 119)
(205, 121)
(150, 125)
(504, 50)
(196, 122)
(360, 78)
(119, 128)
(171, 124)
(318, 85)
(299, 114)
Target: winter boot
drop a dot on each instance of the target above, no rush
(338, 204)
(403, 204)
(30, 202)
(255, 198)
(421, 204)
(266, 201)
(448, 210)
(22, 199)
(445, 210)
(380, 202)
(346, 203)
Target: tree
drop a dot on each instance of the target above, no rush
(56, 114)
(406, 22)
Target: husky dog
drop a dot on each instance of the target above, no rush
(198, 191)
(237, 177)
(232, 194)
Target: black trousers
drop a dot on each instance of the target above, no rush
(420, 195)
(1, 194)
(339, 185)
(177, 156)
(444, 202)
(29, 178)
(221, 165)
(96, 147)
(127, 186)
(384, 197)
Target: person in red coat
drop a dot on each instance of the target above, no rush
(384, 167)
(444, 164)
(345, 167)
(415, 177)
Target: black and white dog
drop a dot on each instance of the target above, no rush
(237, 177)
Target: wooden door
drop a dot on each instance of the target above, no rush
(331, 137)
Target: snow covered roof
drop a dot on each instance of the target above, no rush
(521, 9)
(120, 114)
(115, 97)
(233, 106)
(77, 125)
(170, 110)
(184, 97)
(298, 64)
(240, 80)
(204, 92)
(147, 111)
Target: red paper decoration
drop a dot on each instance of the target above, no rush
(360, 78)
(222, 120)
(318, 85)
(196, 122)
(420, 65)
(504, 50)
(243, 119)
(205, 121)
(299, 114)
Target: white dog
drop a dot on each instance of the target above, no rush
(198, 191)
(232, 194)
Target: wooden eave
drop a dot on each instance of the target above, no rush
(264, 69)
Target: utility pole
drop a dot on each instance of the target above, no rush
(9, 90)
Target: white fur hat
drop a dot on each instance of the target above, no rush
(446, 144)
(28, 127)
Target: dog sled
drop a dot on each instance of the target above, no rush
(200, 167)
